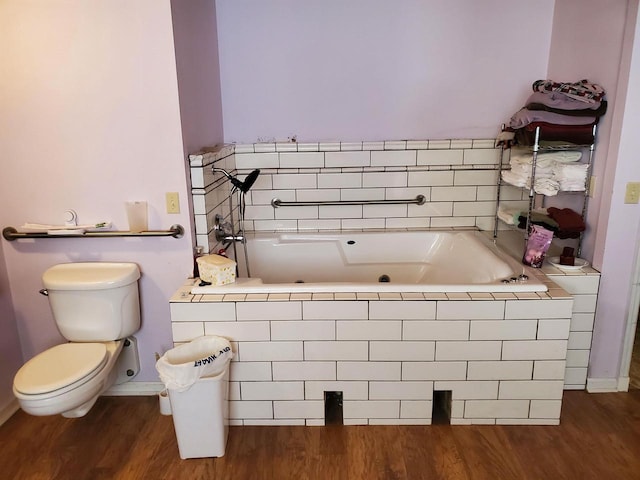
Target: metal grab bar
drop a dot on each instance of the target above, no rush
(419, 200)
(176, 231)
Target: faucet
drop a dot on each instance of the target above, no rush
(224, 232)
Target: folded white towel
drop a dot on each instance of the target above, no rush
(578, 170)
(509, 215)
(514, 179)
(546, 186)
(562, 156)
(571, 177)
(42, 227)
(75, 231)
(555, 171)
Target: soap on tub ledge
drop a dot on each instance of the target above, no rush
(216, 269)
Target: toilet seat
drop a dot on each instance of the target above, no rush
(61, 368)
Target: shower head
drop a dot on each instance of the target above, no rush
(240, 185)
(249, 181)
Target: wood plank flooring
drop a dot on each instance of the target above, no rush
(126, 438)
(634, 367)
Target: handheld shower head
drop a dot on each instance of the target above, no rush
(249, 181)
(240, 185)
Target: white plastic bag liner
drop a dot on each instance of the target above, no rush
(182, 366)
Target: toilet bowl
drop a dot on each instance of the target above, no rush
(83, 371)
(96, 307)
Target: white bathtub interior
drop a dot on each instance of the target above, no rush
(407, 261)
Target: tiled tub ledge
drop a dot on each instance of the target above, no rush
(502, 356)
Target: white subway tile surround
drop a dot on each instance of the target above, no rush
(459, 169)
(387, 353)
(453, 176)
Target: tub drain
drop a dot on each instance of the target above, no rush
(299, 281)
(384, 279)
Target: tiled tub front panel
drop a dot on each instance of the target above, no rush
(501, 356)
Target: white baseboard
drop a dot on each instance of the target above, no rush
(603, 385)
(8, 410)
(135, 389)
(623, 384)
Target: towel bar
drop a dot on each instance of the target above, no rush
(176, 231)
(419, 200)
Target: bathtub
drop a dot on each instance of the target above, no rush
(382, 261)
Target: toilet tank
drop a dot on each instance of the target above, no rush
(94, 301)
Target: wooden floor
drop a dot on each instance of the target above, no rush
(634, 367)
(126, 438)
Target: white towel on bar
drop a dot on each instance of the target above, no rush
(42, 227)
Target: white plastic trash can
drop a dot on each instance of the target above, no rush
(201, 416)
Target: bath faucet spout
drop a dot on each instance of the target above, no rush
(224, 232)
(228, 239)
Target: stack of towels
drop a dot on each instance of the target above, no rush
(556, 103)
(555, 171)
(565, 112)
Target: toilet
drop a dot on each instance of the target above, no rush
(96, 307)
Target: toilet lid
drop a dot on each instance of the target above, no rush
(59, 367)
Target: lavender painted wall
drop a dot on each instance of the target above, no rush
(196, 46)
(377, 70)
(195, 39)
(621, 230)
(10, 353)
(90, 120)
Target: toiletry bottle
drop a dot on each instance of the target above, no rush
(198, 251)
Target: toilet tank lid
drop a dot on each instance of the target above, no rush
(90, 275)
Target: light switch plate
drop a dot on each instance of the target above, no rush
(173, 202)
(632, 194)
